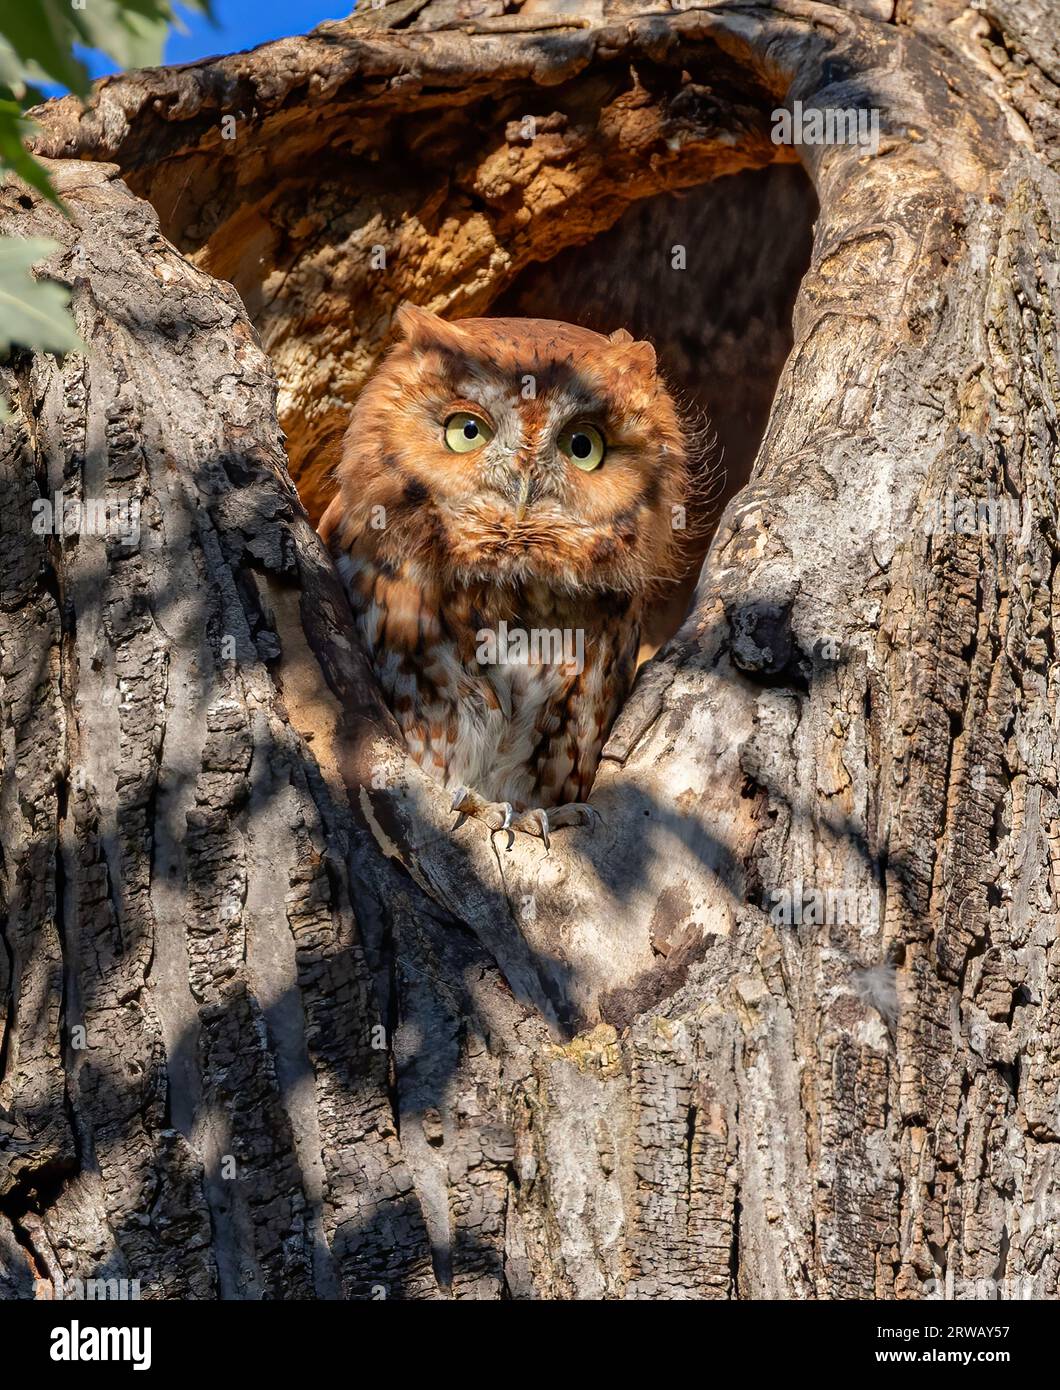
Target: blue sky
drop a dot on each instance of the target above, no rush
(240, 24)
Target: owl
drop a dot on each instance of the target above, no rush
(503, 514)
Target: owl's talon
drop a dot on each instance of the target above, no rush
(540, 819)
(496, 815)
(501, 815)
(575, 813)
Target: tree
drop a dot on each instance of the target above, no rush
(785, 1024)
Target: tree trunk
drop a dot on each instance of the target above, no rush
(272, 1027)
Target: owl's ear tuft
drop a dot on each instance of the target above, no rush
(633, 355)
(422, 329)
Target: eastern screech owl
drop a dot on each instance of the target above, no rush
(505, 504)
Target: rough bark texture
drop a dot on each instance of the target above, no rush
(333, 1047)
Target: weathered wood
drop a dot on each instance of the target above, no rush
(610, 1070)
(171, 846)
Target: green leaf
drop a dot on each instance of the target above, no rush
(33, 313)
(38, 37)
(43, 33)
(132, 32)
(14, 74)
(14, 155)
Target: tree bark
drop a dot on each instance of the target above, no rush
(272, 1027)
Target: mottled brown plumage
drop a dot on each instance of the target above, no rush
(471, 507)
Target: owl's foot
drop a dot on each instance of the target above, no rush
(499, 815)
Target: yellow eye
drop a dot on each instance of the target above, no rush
(464, 432)
(584, 446)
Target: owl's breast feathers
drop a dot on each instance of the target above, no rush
(511, 691)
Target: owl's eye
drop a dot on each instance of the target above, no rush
(464, 432)
(584, 446)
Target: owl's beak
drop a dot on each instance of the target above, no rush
(524, 497)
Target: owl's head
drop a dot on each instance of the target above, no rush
(506, 451)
